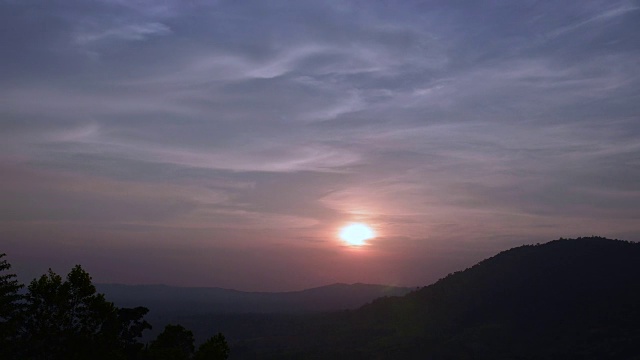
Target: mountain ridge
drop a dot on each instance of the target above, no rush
(199, 300)
(332, 285)
(565, 299)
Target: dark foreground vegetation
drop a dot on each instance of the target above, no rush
(67, 319)
(566, 299)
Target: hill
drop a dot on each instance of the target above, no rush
(566, 299)
(172, 300)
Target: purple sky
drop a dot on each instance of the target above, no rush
(224, 143)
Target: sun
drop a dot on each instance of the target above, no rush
(356, 234)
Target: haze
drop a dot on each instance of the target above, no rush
(225, 143)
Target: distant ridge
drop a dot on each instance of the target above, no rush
(212, 300)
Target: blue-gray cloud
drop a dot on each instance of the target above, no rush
(447, 123)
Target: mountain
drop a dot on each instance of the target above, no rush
(209, 300)
(566, 299)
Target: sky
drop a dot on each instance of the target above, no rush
(226, 143)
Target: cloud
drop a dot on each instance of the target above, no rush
(602, 15)
(439, 122)
(130, 32)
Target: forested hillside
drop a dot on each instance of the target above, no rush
(569, 298)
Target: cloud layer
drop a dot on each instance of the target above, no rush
(250, 131)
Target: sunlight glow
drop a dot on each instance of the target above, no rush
(356, 234)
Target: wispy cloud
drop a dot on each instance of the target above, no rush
(130, 32)
(601, 15)
(441, 123)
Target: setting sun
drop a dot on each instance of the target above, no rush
(356, 234)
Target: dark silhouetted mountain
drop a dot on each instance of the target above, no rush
(207, 300)
(566, 299)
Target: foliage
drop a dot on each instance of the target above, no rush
(67, 319)
(174, 343)
(9, 307)
(215, 348)
(131, 325)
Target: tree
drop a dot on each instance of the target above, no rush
(69, 320)
(9, 308)
(131, 325)
(64, 319)
(215, 348)
(174, 343)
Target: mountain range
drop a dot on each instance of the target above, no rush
(566, 299)
(172, 300)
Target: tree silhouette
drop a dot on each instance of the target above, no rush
(9, 308)
(131, 325)
(69, 320)
(174, 343)
(215, 348)
(64, 319)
